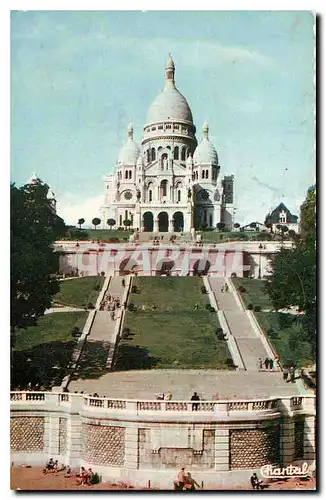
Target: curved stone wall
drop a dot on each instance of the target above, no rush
(141, 441)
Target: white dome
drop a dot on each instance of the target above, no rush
(205, 151)
(169, 104)
(130, 152)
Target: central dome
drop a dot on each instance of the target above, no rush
(169, 104)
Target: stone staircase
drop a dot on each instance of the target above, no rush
(249, 343)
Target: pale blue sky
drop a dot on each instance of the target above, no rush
(78, 78)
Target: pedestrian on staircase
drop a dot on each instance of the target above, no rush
(123, 282)
(222, 288)
(271, 364)
(226, 288)
(266, 363)
(112, 315)
(260, 364)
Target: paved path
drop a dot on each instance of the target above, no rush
(146, 384)
(248, 342)
(63, 309)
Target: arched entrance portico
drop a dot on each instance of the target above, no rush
(148, 221)
(128, 266)
(178, 222)
(163, 222)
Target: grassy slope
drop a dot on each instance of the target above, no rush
(78, 292)
(47, 345)
(174, 335)
(254, 292)
(285, 334)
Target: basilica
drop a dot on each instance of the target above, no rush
(169, 182)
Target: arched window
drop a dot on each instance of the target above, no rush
(206, 174)
(183, 153)
(164, 188)
(153, 154)
(159, 149)
(150, 195)
(148, 156)
(203, 174)
(197, 175)
(179, 195)
(168, 147)
(176, 153)
(126, 174)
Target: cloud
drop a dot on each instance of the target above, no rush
(71, 208)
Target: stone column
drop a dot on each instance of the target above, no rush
(74, 442)
(222, 450)
(309, 450)
(131, 447)
(155, 226)
(52, 424)
(287, 441)
(171, 226)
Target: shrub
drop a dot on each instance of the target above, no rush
(242, 289)
(219, 330)
(257, 308)
(97, 288)
(208, 307)
(250, 307)
(229, 363)
(233, 275)
(134, 289)
(113, 239)
(75, 331)
(90, 305)
(212, 309)
(131, 307)
(203, 289)
(102, 273)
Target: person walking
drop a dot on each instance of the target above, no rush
(271, 364)
(292, 375)
(285, 374)
(260, 364)
(226, 288)
(181, 479)
(266, 363)
(112, 315)
(123, 282)
(222, 288)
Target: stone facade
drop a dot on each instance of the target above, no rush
(299, 425)
(201, 455)
(103, 445)
(253, 448)
(26, 434)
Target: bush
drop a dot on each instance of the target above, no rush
(102, 273)
(212, 309)
(257, 308)
(219, 330)
(208, 307)
(203, 289)
(242, 289)
(131, 307)
(75, 331)
(250, 307)
(134, 289)
(233, 275)
(90, 305)
(113, 239)
(229, 363)
(97, 288)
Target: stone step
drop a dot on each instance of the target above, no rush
(240, 325)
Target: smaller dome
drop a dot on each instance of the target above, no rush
(205, 151)
(130, 151)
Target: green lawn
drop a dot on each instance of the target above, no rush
(42, 352)
(286, 334)
(106, 234)
(79, 292)
(254, 293)
(174, 335)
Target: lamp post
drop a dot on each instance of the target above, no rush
(259, 270)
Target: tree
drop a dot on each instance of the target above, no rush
(220, 226)
(293, 279)
(81, 222)
(34, 227)
(253, 225)
(236, 225)
(308, 217)
(96, 222)
(111, 223)
(127, 222)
